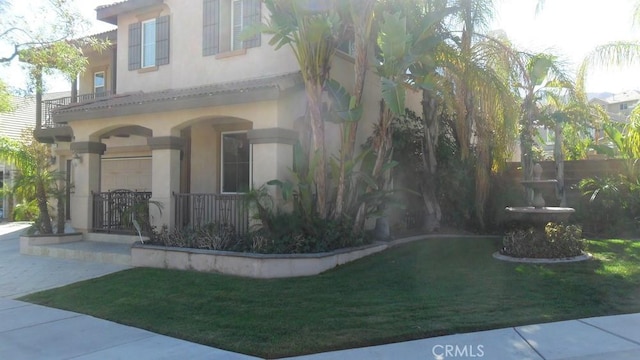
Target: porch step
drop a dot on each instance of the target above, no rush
(104, 252)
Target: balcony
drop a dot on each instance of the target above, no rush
(49, 106)
(47, 130)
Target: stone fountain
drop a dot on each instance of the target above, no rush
(538, 213)
(528, 239)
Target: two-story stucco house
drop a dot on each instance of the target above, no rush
(620, 105)
(179, 109)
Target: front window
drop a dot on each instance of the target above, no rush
(624, 106)
(99, 87)
(149, 43)
(235, 162)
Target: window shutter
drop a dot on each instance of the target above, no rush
(237, 25)
(251, 15)
(211, 27)
(135, 50)
(162, 40)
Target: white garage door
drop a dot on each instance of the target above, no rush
(126, 173)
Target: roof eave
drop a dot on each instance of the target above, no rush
(109, 13)
(231, 98)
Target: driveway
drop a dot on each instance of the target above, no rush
(23, 274)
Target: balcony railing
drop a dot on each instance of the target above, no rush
(113, 211)
(49, 106)
(195, 210)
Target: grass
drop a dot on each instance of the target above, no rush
(417, 290)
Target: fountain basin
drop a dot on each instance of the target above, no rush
(539, 215)
(539, 184)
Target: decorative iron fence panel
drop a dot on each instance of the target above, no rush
(113, 211)
(196, 210)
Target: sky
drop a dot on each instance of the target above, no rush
(570, 29)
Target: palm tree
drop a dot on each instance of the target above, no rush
(312, 30)
(360, 13)
(35, 179)
(478, 72)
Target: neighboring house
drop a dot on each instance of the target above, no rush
(12, 124)
(181, 110)
(619, 106)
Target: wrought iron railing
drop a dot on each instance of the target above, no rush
(49, 106)
(195, 210)
(114, 211)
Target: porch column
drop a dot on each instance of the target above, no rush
(272, 155)
(86, 161)
(165, 178)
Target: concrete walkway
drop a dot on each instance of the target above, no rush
(21, 274)
(30, 331)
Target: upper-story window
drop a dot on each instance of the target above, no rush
(624, 106)
(224, 20)
(99, 86)
(149, 43)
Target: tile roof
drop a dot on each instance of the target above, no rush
(110, 5)
(277, 82)
(632, 95)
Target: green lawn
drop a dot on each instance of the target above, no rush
(422, 289)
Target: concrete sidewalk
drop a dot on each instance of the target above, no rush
(30, 331)
(601, 338)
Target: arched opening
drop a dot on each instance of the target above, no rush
(215, 172)
(125, 179)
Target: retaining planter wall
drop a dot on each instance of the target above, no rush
(27, 241)
(264, 266)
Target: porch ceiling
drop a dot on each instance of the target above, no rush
(231, 93)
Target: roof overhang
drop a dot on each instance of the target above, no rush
(109, 13)
(242, 92)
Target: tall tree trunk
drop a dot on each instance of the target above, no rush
(60, 220)
(433, 213)
(318, 153)
(382, 146)
(558, 157)
(362, 17)
(44, 221)
(526, 143)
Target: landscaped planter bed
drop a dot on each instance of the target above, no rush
(247, 264)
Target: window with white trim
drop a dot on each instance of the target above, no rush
(235, 162)
(224, 20)
(149, 43)
(99, 85)
(148, 47)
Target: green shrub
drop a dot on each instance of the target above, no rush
(291, 234)
(610, 205)
(554, 241)
(212, 236)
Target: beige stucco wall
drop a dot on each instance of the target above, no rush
(205, 153)
(186, 48)
(98, 61)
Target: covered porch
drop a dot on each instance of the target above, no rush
(185, 167)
